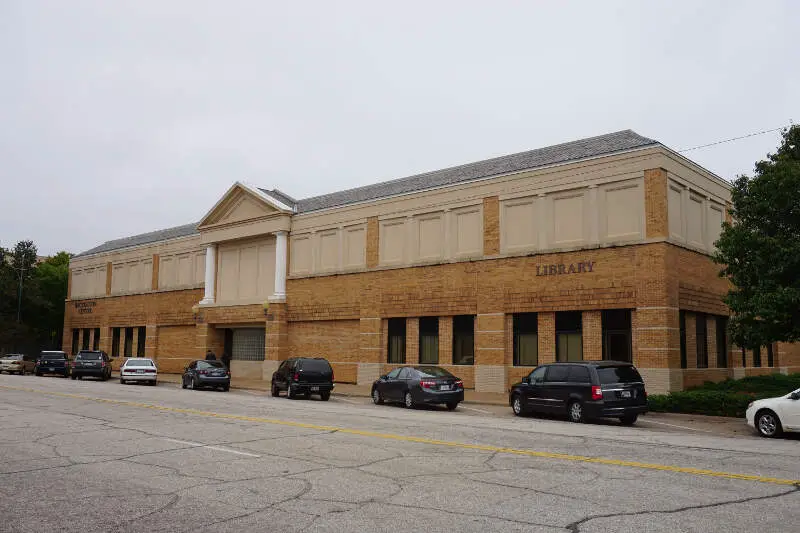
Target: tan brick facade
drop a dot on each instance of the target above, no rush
(491, 226)
(655, 198)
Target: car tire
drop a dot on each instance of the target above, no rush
(192, 384)
(517, 406)
(153, 383)
(628, 420)
(38, 374)
(451, 406)
(575, 412)
(226, 388)
(408, 400)
(768, 424)
(121, 381)
(74, 377)
(183, 382)
(377, 399)
(290, 394)
(275, 391)
(325, 395)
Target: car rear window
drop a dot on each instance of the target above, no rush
(433, 372)
(140, 362)
(315, 365)
(618, 374)
(53, 356)
(209, 364)
(88, 356)
(13, 357)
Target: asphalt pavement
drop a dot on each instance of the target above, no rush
(99, 456)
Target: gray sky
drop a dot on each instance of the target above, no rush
(121, 117)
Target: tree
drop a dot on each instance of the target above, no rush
(760, 251)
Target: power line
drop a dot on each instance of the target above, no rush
(729, 140)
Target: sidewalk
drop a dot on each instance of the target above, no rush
(344, 389)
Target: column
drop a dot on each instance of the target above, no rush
(412, 341)
(281, 249)
(445, 340)
(547, 337)
(211, 274)
(490, 352)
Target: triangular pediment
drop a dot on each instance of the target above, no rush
(240, 204)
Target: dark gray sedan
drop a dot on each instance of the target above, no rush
(419, 385)
(201, 373)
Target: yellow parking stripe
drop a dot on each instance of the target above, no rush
(422, 440)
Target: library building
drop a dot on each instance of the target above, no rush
(593, 249)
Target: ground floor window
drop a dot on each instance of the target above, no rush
(770, 356)
(569, 336)
(526, 339)
(396, 353)
(85, 343)
(702, 340)
(617, 335)
(128, 351)
(96, 343)
(429, 340)
(140, 341)
(744, 357)
(757, 356)
(246, 344)
(464, 340)
(76, 333)
(115, 335)
(682, 325)
(722, 342)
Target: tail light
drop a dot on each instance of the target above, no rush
(73, 364)
(102, 364)
(296, 376)
(425, 384)
(150, 370)
(202, 372)
(459, 384)
(228, 372)
(597, 393)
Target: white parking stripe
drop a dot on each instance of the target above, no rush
(218, 448)
(478, 410)
(676, 426)
(346, 400)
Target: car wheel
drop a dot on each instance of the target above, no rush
(517, 406)
(377, 399)
(226, 388)
(628, 420)
(39, 374)
(183, 382)
(74, 377)
(121, 381)
(192, 384)
(290, 392)
(325, 395)
(768, 424)
(575, 412)
(275, 391)
(409, 401)
(153, 383)
(452, 406)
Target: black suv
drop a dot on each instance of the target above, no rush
(582, 390)
(303, 375)
(92, 363)
(52, 363)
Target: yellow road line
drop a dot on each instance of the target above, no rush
(422, 440)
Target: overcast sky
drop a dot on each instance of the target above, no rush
(122, 117)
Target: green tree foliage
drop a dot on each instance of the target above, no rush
(760, 251)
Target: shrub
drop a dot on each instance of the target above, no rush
(713, 403)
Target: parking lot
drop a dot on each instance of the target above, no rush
(99, 456)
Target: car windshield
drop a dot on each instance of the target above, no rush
(53, 356)
(433, 372)
(88, 356)
(138, 362)
(315, 365)
(209, 364)
(618, 374)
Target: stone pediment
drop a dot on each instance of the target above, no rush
(241, 204)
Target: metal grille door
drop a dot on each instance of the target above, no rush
(248, 344)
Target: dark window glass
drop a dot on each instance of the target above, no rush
(128, 342)
(722, 342)
(557, 373)
(115, 342)
(89, 356)
(85, 343)
(76, 333)
(617, 335)
(569, 336)
(209, 364)
(54, 356)
(433, 372)
(618, 374)
(406, 373)
(526, 339)
(757, 356)
(770, 356)
(464, 340)
(394, 373)
(315, 365)
(702, 341)
(429, 340)
(397, 341)
(537, 376)
(682, 320)
(96, 343)
(579, 374)
(140, 341)
(744, 357)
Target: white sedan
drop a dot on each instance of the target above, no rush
(139, 369)
(773, 416)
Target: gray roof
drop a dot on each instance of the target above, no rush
(561, 153)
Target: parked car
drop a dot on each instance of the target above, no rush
(303, 375)
(16, 363)
(417, 385)
(92, 363)
(52, 362)
(203, 373)
(772, 416)
(139, 370)
(582, 390)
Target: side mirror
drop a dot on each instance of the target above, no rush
(384, 376)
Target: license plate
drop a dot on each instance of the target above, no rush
(444, 387)
(140, 371)
(625, 394)
(314, 389)
(51, 369)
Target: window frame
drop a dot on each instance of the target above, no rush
(426, 333)
(463, 342)
(396, 349)
(518, 320)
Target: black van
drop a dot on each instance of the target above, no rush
(303, 375)
(582, 390)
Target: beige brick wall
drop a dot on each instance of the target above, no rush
(373, 243)
(547, 337)
(655, 203)
(592, 336)
(491, 226)
(445, 340)
(691, 341)
(412, 341)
